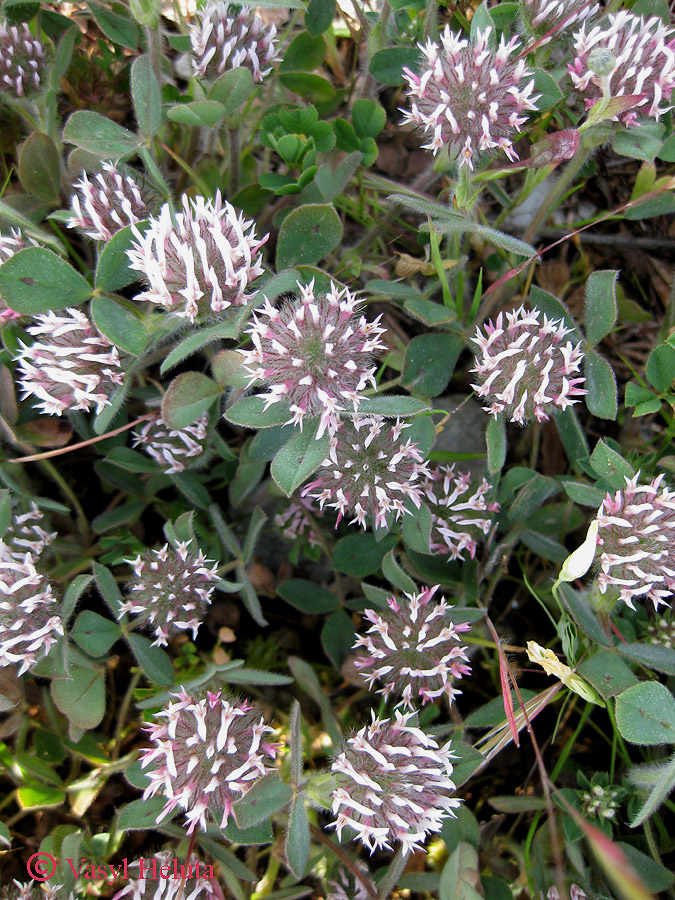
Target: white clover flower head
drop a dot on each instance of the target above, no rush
(315, 352)
(152, 884)
(370, 471)
(209, 750)
(524, 369)
(393, 784)
(469, 96)
(413, 649)
(461, 511)
(344, 885)
(174, 449)
(644, 68)
(31, 891)
(11, 243)
(110, 201)
(541, 17)
(69, 365)
(576, 893)
(200, 261)
(25, 534)
(29, 613)
(170, 591)
(295, 524)
(223, 39)
(21, 59)
(636, 535)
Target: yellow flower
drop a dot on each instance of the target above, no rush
(552, 666)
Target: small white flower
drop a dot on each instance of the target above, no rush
(579, 562)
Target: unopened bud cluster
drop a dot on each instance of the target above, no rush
(295, 524)
(174, 449)
(69, 365)
(636, 535)
(223, 39)
(525, 369)
(393, 784)
(200, 261)
(108, 202)
(461, 514)
(315, 353)
(170, 591)
(469, 96)
(414, 650)
(207, 752)
(369, 472)
(21, 59)
(662, 632)
(601, 801)
(644, 63)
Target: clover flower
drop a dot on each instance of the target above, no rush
(152, 884)
(170, 591)
(68, 365)
(29, 619)
(470, 97)
(9, 245)
(25, 534)
(316, 354)
(662, 632)
(643, 63)
(346, 886)
(295, 525)
(31, 891)
(576, 893)
(174, 449)
(200, 261)
(524, 369)
(224, 39)
(636, 531)
(21, 58)
(460, 511)
(369, 471)
(414, 649)
(210, 749)
(541, 17)
(601, 801)
(393, 784)
(108, 203)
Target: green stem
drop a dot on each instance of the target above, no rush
(394, 872)
(234, 160)
(557, 191)
(67, 491)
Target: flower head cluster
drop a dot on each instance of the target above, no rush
(642, 63)
(524, 369)
(69, 365)
(295, 525)
(9, 245)
(316, 354)
(21, 58)
(200, 261)
(601, 801)
(393, 784)
(636, 534)
(469, 96)
(30, 891)
(109, 202)
(170, 591)
(210, 749)
(174, 449)
(346, 886)
(29, 619)
(414, 649)
(25, 534)
(576, 893)
(161, 878)
(224, 39)
(541, 17)
(370, 472)
(461, 514)
(662, 632)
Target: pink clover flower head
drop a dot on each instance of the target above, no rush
(369, 472)
(344, 885)
(31, 891)
(315, 352)
(153, 885)
(413, 649)
(9, 245)
(295, 524)
(174, 449)
(29, 612)
(170, 591)
(208, 749)
(69, 365)
(541, 17)
(21, 59)
(524, 369)
(200, 261)
(469, 96)
(644, 63)
(25, 534)
(110, 201)
(393, 784)
(223, 39)
(461, 511)
(636, 536)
